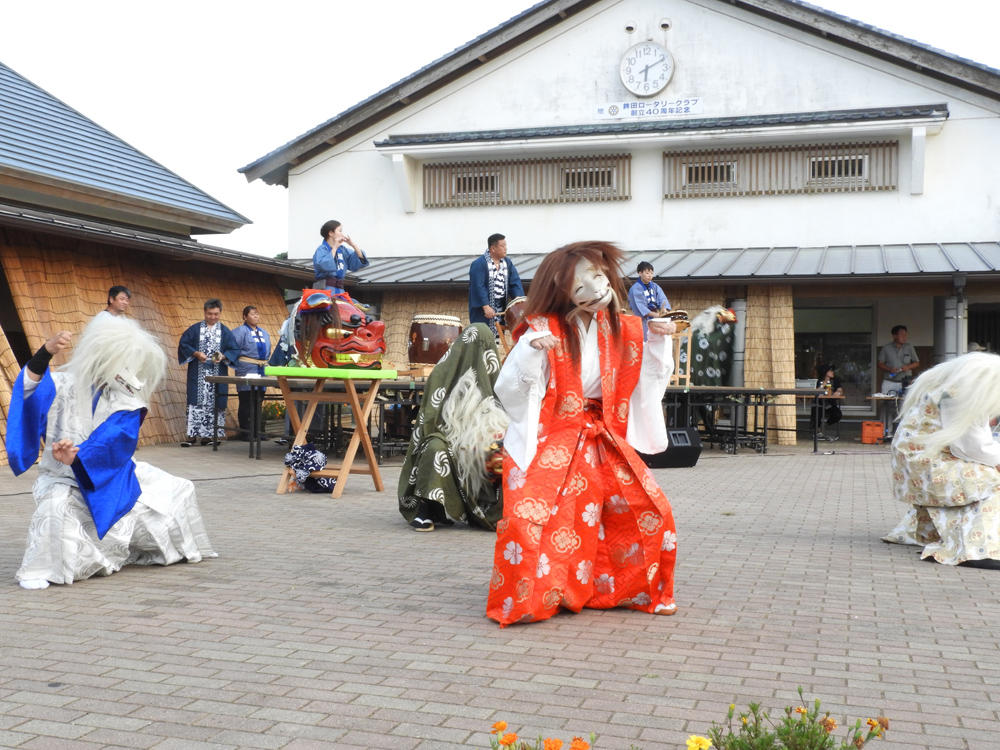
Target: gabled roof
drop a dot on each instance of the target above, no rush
(929, 261)
(273, 168)
(51, 156)
(292, 275)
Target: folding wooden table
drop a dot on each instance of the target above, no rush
(312, 398)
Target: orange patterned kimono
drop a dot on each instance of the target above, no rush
(586, 525)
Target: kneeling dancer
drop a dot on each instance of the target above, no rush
(946, 465)
(585, 524)
(96, 508)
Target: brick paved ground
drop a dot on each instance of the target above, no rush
(330, 624)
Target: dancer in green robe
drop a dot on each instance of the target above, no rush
(457, 437)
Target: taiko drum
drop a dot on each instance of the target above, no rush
(431, 336)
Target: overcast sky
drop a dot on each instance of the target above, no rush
(205, 87)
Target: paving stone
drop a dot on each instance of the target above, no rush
(342, 643)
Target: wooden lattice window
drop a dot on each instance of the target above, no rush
(781, 170)
(576, 179)
(474, 184)
(709, 174)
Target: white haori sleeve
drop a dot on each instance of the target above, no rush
(647, 429)
(520, 387)
(976, 444)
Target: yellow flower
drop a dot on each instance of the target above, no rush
(876, 727)
(552, 745)
(801, 710)
(828, 724)
(744, 720)
(499, 727)
(508, 739)
(698, 743)
(579, 744)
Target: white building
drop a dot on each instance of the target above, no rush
(797, 164)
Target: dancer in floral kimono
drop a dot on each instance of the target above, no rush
(96, 508)
(585, 524)
(205, 348)
(946, 465)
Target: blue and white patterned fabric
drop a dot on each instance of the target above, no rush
(304, 459)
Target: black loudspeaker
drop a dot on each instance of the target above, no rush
(684, 449)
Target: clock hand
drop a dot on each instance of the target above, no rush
(645, 71)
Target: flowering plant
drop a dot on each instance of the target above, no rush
(501, 739)
(273, 410)
(800, 728)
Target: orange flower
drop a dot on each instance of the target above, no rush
(579, 744)
(828, 724)
(859, 742)
(801, 710)
(499, 727)
(508, 739)
(553, 745)
(876, 726)
(883, 722)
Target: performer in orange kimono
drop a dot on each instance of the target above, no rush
(585, 524)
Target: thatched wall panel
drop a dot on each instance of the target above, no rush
(60, 284)
(694, 299)
(770, 351)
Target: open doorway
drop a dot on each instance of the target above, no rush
(841, 336)
(10, 321)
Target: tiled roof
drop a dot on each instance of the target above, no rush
(876, 114)
(42, 136)
(729, 265)
(289, 272)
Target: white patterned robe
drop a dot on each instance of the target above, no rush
(163, 527)
(955, 495)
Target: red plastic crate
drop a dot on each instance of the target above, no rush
(872, 432)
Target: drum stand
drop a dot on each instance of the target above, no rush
(504, 346)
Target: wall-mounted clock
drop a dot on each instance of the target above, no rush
(646, 68)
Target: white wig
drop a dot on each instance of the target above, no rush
(971, 382)
(108, 346)
(472, 421)
(706, 321)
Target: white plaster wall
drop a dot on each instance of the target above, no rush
(916, 313)
(738, 64)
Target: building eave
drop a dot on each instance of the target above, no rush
(923, 262)
(285, 272)
(784, 127)
(43, 188)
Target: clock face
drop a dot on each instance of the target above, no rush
(646, 68)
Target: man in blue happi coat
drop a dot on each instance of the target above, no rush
(646, 298)
(335, 256)
(206, 348)
(97, 509)
(254, 344)
(493, 284)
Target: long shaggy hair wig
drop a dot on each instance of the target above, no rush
(972, 382)
(108, 344)
(472, 421)
(552, 287)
